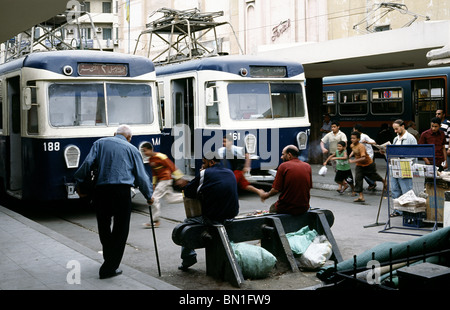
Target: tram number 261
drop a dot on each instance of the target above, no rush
(52, 146)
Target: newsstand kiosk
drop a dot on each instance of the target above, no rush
(410, 151)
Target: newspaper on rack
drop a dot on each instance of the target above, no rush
(409, 202)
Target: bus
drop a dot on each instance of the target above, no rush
(54, 105)
(375, 99)
(261, 103)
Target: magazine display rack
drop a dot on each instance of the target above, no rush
(410, 151)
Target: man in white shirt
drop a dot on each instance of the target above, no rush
(332, 138)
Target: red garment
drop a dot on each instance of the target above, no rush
(241, 180)
(439, 141)
(163, 168)
(294, 182)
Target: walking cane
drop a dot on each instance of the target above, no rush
(154, 238)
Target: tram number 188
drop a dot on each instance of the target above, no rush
(51, 146)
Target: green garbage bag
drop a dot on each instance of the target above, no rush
(300, 240)
(255, 261)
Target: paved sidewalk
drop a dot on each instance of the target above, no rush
(33, 257)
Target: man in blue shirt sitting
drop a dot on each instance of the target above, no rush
(216, 188)
(120, 167)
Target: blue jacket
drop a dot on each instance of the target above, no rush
(216, 188)
(119, 162)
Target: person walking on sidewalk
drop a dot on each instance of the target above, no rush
(120, 167)
(365, 166)
(164, 173)
(344, 176)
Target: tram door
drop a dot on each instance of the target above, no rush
(183, 124)
(428, 97)
(14, 121)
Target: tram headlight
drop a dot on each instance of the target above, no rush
(72, 156)
(67, 70)
(302, 140)
(250, 143)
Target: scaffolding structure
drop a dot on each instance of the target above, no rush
(381, 10)
(182, 32)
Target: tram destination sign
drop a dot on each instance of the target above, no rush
(92, 69)
(268, 71)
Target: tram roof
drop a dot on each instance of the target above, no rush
(55, 60)
(230, 64)
(390, 75)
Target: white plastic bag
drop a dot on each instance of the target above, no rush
(323, 171)
(317, 254)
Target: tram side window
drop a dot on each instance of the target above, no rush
(129, 104)
(353, 102)
(212, 108)
(387, 101)
(329, 100)
(32, 114)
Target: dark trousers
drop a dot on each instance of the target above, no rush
(113, 205)
(369, 171)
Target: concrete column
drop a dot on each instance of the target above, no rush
(314, 99)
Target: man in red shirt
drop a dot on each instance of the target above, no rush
(293, 181)
(436, 137)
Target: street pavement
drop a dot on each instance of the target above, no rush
(34, 257)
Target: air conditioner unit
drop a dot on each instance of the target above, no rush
(116, 42)
(98, 29)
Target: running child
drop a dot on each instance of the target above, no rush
(344, 176)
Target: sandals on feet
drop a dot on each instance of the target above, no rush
(359, 200)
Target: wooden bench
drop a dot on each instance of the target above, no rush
(270, 229)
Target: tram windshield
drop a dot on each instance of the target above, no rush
(265, 100)
(81, 104)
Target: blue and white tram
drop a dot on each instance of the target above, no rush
(54, 105)
(261, 102)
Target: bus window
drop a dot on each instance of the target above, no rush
(387, 101)
(329, 102)
(429, 94)
(353, 102)
(129, 104)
